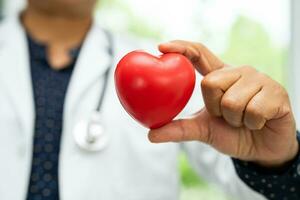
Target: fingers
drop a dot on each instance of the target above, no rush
(236, 98)
(214, 86)
(242, 96)
(255, 117)
(266, 105)
(202, 58)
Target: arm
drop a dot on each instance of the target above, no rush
(247, 115)
(278, 184)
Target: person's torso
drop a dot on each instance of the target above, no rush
(130, 167)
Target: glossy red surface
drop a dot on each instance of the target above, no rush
(153, 90)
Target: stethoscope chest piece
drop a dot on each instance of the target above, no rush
(90, 134)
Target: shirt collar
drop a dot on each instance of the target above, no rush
(38, 50)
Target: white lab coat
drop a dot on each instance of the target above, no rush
(129, 168)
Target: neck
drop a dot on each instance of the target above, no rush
(60, 33)
(50, 29)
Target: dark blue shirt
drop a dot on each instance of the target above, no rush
(49, 89)
(283, 184)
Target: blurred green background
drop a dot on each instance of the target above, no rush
(240, 35)
(1, 8)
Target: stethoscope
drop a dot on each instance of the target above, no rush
(90, 134)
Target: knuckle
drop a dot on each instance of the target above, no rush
(200, 45)
(210, 82)
(285, 94)
(193, 54)
(248, 69)
(254, 117)
(279, 90)
(268, 81)
(286, 109)
(254, 110)
(231, 103)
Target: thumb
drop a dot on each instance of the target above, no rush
(193, 128)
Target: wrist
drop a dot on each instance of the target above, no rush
(282, 163)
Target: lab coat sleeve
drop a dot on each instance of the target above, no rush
(214, 167)
(218, 170)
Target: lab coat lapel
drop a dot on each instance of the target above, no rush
(16, 76)
(91, 65)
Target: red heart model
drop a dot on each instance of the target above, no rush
(153, 90)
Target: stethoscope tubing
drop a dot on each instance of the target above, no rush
(90, 134)
(110, 52)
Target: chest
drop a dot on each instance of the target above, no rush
(128, 164)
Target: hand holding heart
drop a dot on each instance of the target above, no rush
(247, 115)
